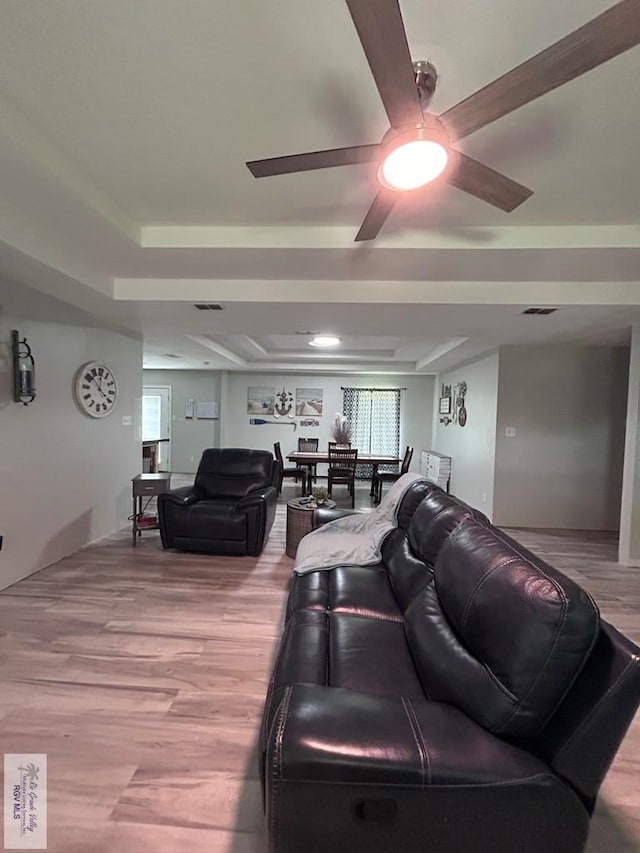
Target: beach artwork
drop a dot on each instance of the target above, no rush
(308, 401)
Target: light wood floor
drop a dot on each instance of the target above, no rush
(141, 673)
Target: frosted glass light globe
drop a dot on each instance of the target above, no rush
(413, 165)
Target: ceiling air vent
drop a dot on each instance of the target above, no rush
(539, 310)
(208, 306)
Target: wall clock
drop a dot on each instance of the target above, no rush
(95, 389)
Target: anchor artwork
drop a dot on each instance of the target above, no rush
(284, 404)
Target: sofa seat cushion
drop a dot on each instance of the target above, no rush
(340, 650)
(359, 590)
(210, 519)
(304, 650)
(397, 741)
(371, 655)
(499, 635)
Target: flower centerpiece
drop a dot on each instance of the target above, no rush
(341, 429)
(320, 495)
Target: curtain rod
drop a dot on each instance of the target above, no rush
(359, 388)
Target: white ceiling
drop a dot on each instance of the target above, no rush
(125, 127)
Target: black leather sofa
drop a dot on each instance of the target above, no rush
(229, 509)
(460, 697)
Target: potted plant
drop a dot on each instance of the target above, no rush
(341, 429)
(320, 495)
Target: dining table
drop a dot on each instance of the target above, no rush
(311, 458)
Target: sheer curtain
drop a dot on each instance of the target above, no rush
(374, 415)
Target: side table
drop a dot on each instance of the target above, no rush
(146, 486)
(300, 521)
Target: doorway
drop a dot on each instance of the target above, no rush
(156, 421)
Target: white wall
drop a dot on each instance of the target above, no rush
(564, 467)
(189, 437)
(472, 447)
(65, 478)
(629, 544)
(416, 411)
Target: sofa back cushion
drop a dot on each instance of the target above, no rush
(233, 473)
(412, 499)
(407, 573)
(409, 557)
(438, 514)
(499, 634)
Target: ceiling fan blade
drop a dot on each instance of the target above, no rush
(484, 183)
(606, 36)
(314, 160)
(382, 34)
(376, 215)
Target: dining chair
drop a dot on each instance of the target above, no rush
(296, 473)
(342, 469)
(382, 477)
(309, 445)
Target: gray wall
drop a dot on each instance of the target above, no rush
(472, 447)
(629, 545)
(564, 467)
(189, 437)
(65, 478)
(416, 413)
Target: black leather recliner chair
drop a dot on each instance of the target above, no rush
(229, 509)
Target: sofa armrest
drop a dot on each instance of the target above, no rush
(323, 514)
(170, 504)
(581, 739)
(183, 496)
(259, 508)
(376, 773)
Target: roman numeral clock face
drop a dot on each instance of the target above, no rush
(95, 389)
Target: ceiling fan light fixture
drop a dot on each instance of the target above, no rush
(414, 157)
(323, 341)
(413, 165)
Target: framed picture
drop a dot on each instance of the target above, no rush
(260, 401)
(445, 405)
(309, 401)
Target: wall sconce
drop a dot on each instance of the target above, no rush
(24, 370)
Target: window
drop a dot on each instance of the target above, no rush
(151, 417)
(156, 421)
(374, 415)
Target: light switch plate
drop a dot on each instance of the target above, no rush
(127, 420)
(510, 432)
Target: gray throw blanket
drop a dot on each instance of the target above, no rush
(355, 540)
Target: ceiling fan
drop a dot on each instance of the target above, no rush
(417, 148)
